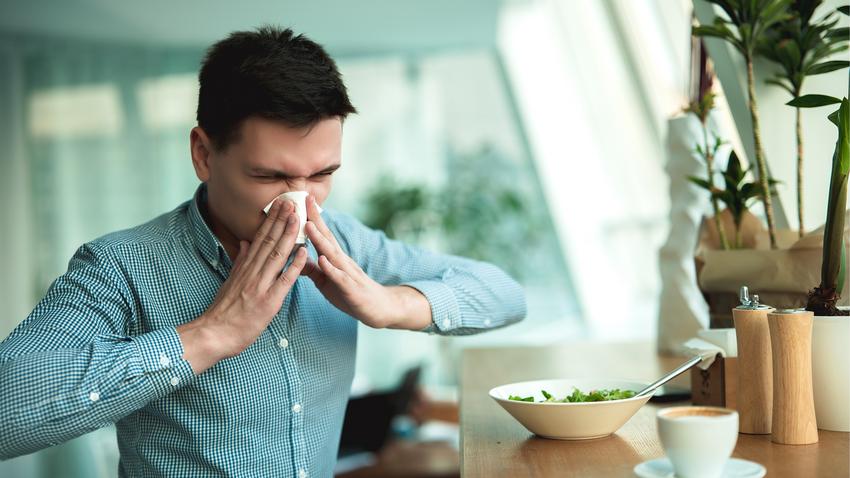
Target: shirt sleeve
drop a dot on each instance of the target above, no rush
(70, 367)
(466, 296)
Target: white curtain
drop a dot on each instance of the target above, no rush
(596, 82)
(95, 140)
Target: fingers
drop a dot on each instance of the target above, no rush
(331, 250)
(285, 280)
(314, 216)
(322, 243)
(264, 229)
(337, 275)
(311, 270)
(267, 245)
(280, 252)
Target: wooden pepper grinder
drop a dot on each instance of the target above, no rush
(794, 420)
(755, 375)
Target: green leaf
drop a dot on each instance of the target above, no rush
(576, 396)
(813, 101)
(546, 394)
(520, 399)
(833, 117)
(749, 190)
(733, 167)
(719, 30)
(726, 198)
(718, 141)
(700, 182)
(792, 50)
(841, 33)
(712, 31)
(745, 30)
(833, 235)
(731, 8)
(779, 82)
(827, 66)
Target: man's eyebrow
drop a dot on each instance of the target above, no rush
(283, 174)
(268, 172)
(330, 169)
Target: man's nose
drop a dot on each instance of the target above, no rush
(297, 184)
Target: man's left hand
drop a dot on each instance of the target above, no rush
(350, 290)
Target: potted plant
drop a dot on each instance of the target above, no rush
(801, 46)
(737, 195)
(744, 27)
(831, 327)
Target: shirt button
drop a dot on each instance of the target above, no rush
(164, 360)
(283, 343)
(296, 408)
(487, 322)
(446, 323)
(94, 396)
(175, 381)
(302, 473)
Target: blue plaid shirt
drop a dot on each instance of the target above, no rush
(102, 347)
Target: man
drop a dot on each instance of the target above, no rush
(195, 333)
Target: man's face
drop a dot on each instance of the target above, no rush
(268, 159)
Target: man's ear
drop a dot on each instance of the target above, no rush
(201, 148)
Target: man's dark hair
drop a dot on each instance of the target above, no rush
(268, 73)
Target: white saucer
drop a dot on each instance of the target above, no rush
(735, 468)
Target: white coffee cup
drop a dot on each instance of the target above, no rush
(299, 198)
(698, 440)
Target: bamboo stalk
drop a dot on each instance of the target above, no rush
(738, 232)
(760, 161)
(709, 164)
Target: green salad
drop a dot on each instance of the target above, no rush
(578, 396)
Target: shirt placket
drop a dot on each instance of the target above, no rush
(283, 329)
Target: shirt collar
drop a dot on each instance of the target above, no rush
(206, 242)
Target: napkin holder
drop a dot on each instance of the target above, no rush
(716, 385)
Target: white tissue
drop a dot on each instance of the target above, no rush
(706, 350)
(726, 339)
(299, 198)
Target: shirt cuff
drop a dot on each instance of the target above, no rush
(161, 354)
(445, 313)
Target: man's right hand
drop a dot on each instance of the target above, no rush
(251, 296)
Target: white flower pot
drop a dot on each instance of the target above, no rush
(831, 372)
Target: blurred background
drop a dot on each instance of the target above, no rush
(528, 133)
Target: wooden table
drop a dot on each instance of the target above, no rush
(401, 458)
(493, 444)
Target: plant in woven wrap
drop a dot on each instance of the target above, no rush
(823, 298)
(743, 27)
(738, 194)
(801, 46)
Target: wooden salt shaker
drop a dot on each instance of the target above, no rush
(755, 375)
(794, 421)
